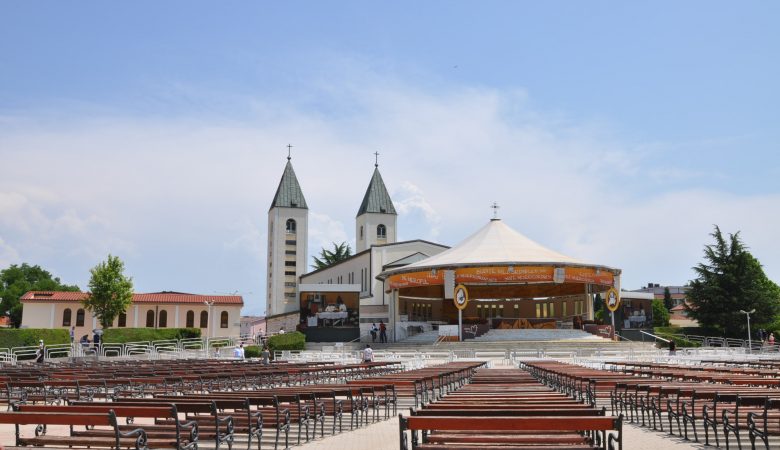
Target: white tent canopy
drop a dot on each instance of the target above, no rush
(494, 244)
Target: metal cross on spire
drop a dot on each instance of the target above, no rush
(376, 159)
(495, 208)
(289, 151)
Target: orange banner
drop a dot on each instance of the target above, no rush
(502, 274)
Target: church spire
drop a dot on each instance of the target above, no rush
(377, 199)
(289, 194)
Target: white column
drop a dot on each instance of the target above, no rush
(135, 316)
(51, 315)
(176, 320)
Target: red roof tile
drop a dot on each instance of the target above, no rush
(154, 297)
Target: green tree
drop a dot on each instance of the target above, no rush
(16, 280)
(340, 252)
(668, 302)
(110, 291)
(660, 313)
(729, 280)
(600, 308)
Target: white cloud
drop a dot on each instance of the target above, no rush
(186, 199)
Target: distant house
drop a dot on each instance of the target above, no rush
(679, 316)
(678, 293)
(253, 325)
(54, 309)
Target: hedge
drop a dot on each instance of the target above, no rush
(252, 351)
(28, 337)
(287, 341)
(122, 335)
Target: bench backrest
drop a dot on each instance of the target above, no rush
(486, 423)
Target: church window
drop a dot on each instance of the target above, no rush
(289, 263)
(190, 319)
(150, 318)
(204, 319)
(381, 231)
(291, 226)
(80, 318)
(122, 320)
(162, 321)
(289, 272)
(66, 315)
(290, 242)
(361, 232)
(223, 319)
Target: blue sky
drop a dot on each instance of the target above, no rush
(617, 132)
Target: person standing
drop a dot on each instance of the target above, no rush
(374, 331)
(771, 339)
(72, 335)
(266, 355)
(382, 332)
(368, 354)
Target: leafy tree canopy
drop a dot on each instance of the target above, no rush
(660, 313)
(327, 257)
(729, 280)
(16, 280)
(111, 292)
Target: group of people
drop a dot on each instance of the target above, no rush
(265, 354)
(381, 330)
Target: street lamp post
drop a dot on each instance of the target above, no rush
(211, 320)
(748, 313)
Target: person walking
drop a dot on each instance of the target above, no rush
(266, 355)
(382, 332)
(41, 352)
(368, 354)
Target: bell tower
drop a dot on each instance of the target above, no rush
(376, 219)
(288, 233)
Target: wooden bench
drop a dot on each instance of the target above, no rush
(515, 433)
(135, 439)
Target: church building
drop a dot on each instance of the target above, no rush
(340, 302)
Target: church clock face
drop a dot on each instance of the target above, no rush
(461, 297)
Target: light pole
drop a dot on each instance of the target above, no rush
(211, 320)
(748, 313)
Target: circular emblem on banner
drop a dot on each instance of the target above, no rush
(613, 299)
(461, 297)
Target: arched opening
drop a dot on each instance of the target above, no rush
(150, 318)
(204, 319)
(381, 231)
(361, 232)
(66, 316)
(190, 319)
(223, 319)
(122, 321)
(162, 321)
(291, 226)
(80, 318)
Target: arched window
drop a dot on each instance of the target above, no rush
(223, 319)
(150, 318)
(162, 321)
(66, 317)
(291, 226)
(204, 319)
(381, 231)
(190, 319)
(80, 318)
(122, 322)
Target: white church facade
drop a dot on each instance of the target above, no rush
(340, 302)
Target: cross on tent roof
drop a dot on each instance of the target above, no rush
(376, 159)
(289, 151)
(495, 208)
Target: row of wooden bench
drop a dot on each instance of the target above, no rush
(179, 420)
(723, 407)
(508, 409)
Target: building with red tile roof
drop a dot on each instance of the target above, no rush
(55, 309)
